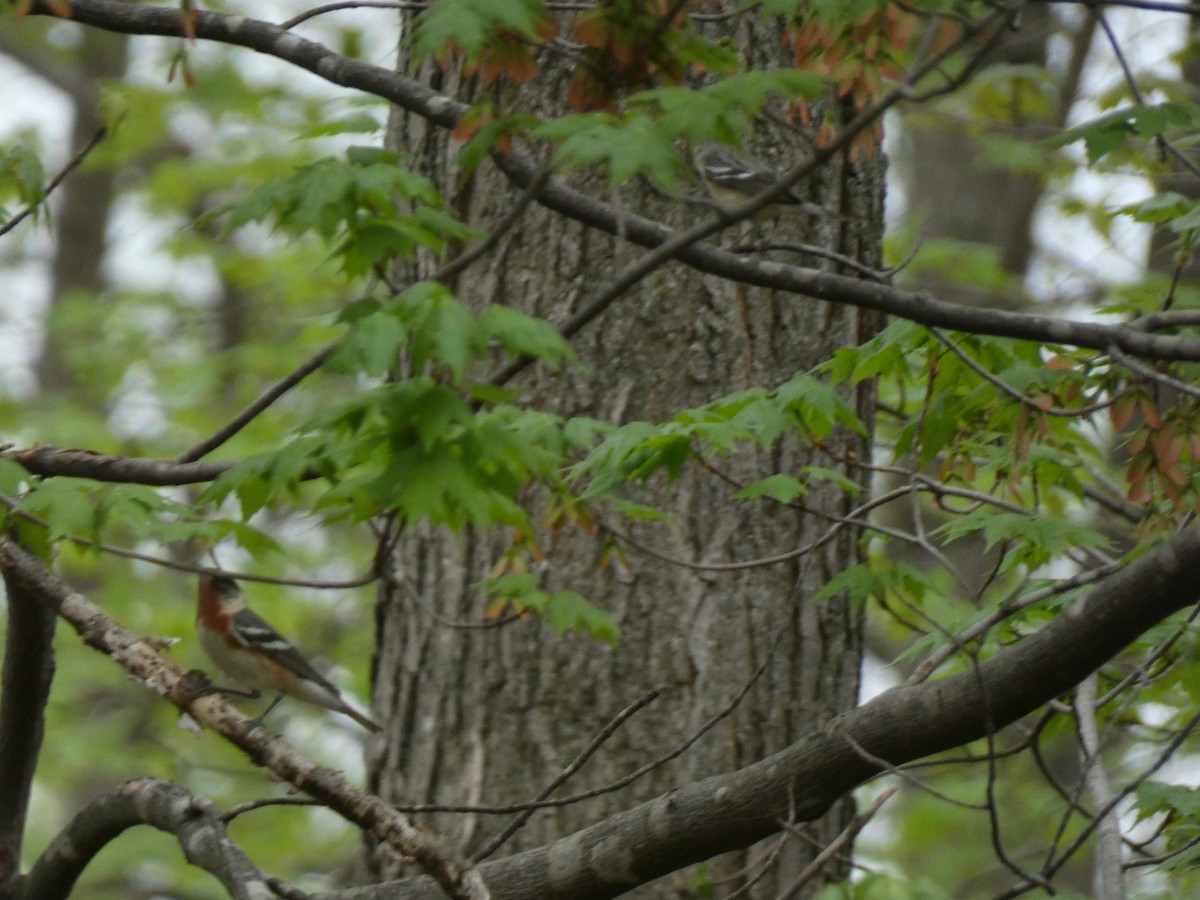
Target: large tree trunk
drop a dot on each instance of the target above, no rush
(488, 716)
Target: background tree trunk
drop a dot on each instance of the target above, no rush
(957, 191)
(86, 206)
(478, 716)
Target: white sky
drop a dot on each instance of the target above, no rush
(1148, 41)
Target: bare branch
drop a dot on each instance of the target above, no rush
(626, 780)
(1025, 400)
(1003, 611)
(265, 802)
(194, 821)
(264, 400)
(123, 469)
(72, 164)
(502, 227)
(348, 4)
(1153, 375)
(836, 846)
(574, 766)
(1166, 755)
(28, 672)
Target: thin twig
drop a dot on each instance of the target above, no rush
(1164, 145)
(1012, 392)
(813, 250)
(888, 768)
(1142, 672)
(1157, 860)
(934, 660)
(468, 256)
(251, 805)
(574, 766)
(993, 808)
(74, 163)
(265, 399)
(846, 836)
(1146, 372)
(625, 781)
(351, 4)
(362, 581)
(1163, 758)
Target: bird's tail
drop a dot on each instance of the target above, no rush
(360, 717)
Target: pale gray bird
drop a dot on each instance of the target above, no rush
(732, 180)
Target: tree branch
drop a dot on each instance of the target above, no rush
(72, 164)
(28, 672)
(251, 412)
(1108, 878)
(921, 307)
(194, 820)
(192, 693)
(51, 461)
(731, 811)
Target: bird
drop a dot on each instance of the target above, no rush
(732, 181)
(246, 648)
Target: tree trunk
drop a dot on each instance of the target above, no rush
(490, 715)
(87, 199)
(957, 192)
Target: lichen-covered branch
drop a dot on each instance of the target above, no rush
(195, 822)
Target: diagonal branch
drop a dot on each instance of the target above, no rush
(72, 164)
(251, 412)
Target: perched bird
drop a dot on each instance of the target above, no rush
(253, 653)
(732, 181)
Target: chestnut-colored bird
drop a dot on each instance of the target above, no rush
(246, 648)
